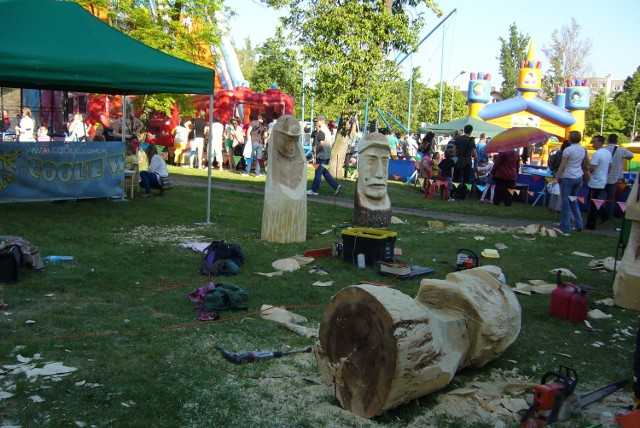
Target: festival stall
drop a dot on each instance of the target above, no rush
(67, 48)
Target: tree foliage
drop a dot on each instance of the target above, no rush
(279, 65)
(512, 51)
(613, 120)
(166, 31)
(568, 56)
(628, 99)
(247, 59)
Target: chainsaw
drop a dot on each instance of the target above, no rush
(555, 399)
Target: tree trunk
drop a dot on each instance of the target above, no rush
(338, 155)
(379, 348)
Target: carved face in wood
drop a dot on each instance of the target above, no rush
(286, 145)
(373, 167)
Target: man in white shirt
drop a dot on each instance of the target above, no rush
(618, 154)
(599, 169)
(217, 140)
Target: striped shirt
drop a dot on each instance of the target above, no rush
(617, 154)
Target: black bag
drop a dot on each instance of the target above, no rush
(10, 263)
(220, 258)
(165, 183)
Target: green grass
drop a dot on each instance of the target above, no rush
(120, 315)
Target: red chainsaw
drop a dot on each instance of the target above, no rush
(555, 399)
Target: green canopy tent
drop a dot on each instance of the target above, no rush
(449, 128)
(51, 44)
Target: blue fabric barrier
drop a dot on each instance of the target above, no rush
(46, 171)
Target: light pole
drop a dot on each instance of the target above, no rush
(635, 113)
(452, 93)
(604, 104)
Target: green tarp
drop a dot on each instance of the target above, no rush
(449, 128)
(48, 44)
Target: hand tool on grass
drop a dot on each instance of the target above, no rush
(254, 356)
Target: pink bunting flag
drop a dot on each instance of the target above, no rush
(598, 202)
(530, 193)
(396, 177)
(511, 191)
(536, 177)
(315, 165)
(623, 206)
(581, 199)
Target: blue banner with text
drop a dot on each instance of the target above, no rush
(46, 171)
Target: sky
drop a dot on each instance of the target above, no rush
(471, 34)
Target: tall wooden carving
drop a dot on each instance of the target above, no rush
(379, 348)
(284, 216)
(372, 207)
(626, 286)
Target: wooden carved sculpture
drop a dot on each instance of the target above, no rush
(626, 286)
(372, 207)
(284, 216)
(379, 348)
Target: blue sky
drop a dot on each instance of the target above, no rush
(471, 35)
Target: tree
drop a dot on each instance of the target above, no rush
(166, 30)
(512, 51)
(628, 99)
(247, 59)
(568, 56)
(279, 65)
(348, 43)
(613, 120)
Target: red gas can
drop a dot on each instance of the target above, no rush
(579, 307)
(561, 299)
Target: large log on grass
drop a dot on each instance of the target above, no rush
(379, 348)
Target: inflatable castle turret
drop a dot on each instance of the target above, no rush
(577, 102)
(479, 92)
(530, 75)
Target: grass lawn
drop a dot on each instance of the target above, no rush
(119, 313)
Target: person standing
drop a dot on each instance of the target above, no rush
(466, 152)
(197, 144)
(26, 127)
(599, 168)
(505, 173)
(616, 173)
(480, 147)
(322, 146)
(254, 132)
(235, 137)
(570, 176)
(77, 128)
(5, 125)
(180, 139)
(217, 140)
(130, 127)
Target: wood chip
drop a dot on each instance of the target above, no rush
(597, 314)
(564, 272)
(579, 254)
(323, 284)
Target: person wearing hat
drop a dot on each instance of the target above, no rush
(372, 207)
(234, 137)
(322, 146)
(284, 217)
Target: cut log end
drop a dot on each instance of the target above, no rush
(356, 335)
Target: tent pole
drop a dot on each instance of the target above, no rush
(123, 131)
(209, 145)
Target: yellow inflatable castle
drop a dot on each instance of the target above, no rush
(566, 114)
